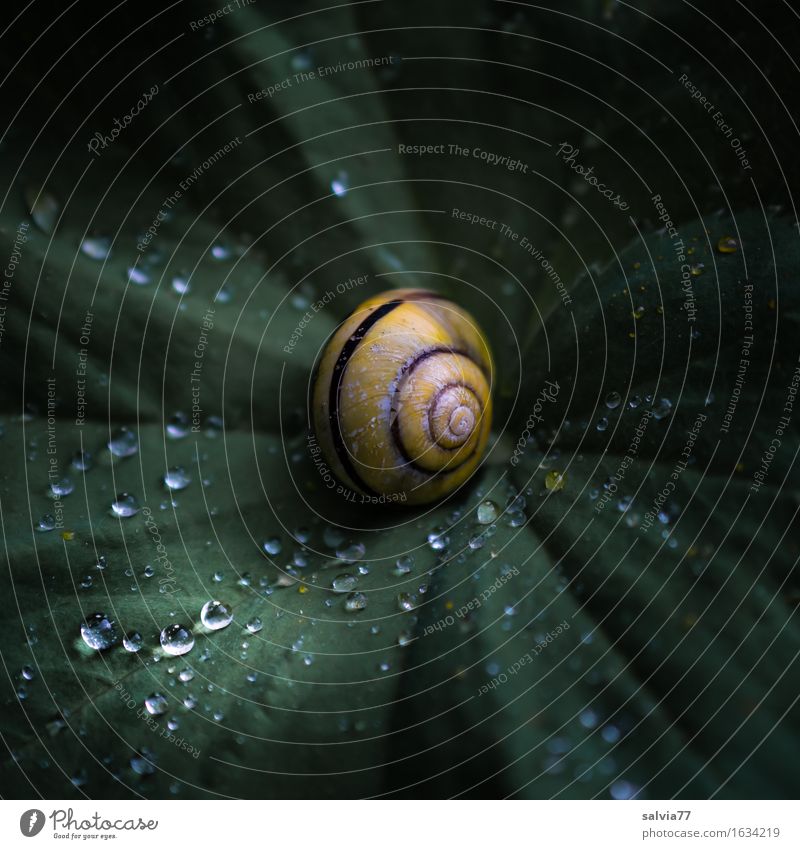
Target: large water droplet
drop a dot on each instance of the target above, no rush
(613, 400)
(216, 615)
(177, 639)
(99, 632)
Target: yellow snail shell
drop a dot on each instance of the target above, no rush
(402, 401)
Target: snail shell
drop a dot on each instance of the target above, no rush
(402, 398)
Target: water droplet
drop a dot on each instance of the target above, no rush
(405, 638)
(340, 184)
(477, 542)
(27, 673)
(123, 442)
(404, 565)
(638, 312)
(438, 539)
(176, 478)
(602, 424)
(221, 252)
(486, 513)
(180, 285)
(82, 461)
(255, 625)
(177, 426)
(186, 675)
(555, 481)
(156, 704)
(344, 583)
(99, 632)
(125, 505)
(96, 247)
(727, 245)
(351, 553)
(662, 409)
(190, 702)
(133, 642)
(272, 546)
(176, 639)
(173, 724)
(355, 602)
(44, 208)
(634, 401)
(216, 615)
(62, 488)
(137, 276)
(405, 602)
(613, 400)
(46, 523)
(333, 537)
(697, 269)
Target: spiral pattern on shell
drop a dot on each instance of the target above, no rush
(402, 397)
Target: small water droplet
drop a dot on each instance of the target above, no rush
(125, 505)
(133, 642)
(46, 523)
(156, 704)
(340, 184)
(255, 625)
(272, 546)
(727, 245)
(176, 639)
(404, 565)
(99, 632)
(697, 269)
(215, 615)
(438, 539)
(662, 409)
(27, 673)
(344, 583)
(44, 208)
(355, 602)
(180, 285)
(186, 675)
(96, 247)
(613, 400)
(555, 481)
(351, 553)
(138, 276)
(123, 442)
(486, 513)
(82, 461)
(405, 602)
(177, 426)
(602, 424)
(176, 478)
